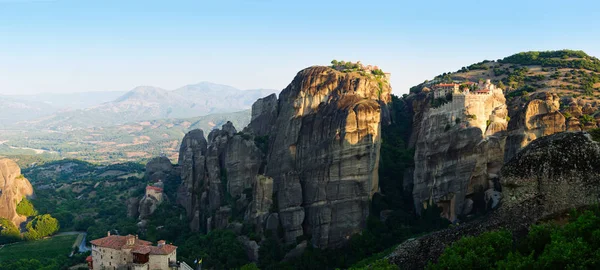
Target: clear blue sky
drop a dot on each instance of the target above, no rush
(73, 46)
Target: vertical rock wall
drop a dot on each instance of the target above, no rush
(315, 171)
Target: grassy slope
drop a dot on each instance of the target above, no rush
(40, 249)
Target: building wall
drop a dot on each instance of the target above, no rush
(107, 258)
(162, 261)
(153, 193)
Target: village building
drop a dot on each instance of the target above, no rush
(115, 252)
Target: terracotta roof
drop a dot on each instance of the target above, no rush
(141, 247)
(444, 85)
(89, 259)
(158, 189)
(117, 242)
(162, 250)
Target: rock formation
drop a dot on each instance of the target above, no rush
(550, 176)
(153, 197)
(13, 188)
(539, 117)
(160, 168)
(459, 150)
(217, 176)
(307, 163)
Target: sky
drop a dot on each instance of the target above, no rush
(66, 46)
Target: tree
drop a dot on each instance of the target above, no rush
(41, 226)
(25, 208)
(8, 232)
(501, 85)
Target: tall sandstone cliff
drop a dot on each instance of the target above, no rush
(460, 147)
(547, 178)
(13, 188)
(305, 166)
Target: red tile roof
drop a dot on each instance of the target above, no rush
(157, 189)
(141, 247)
(89, 259)
(444, 85)
(163, 250)
(117, 242)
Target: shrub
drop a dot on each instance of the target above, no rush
(481, 252)
(586, 119)
(8, 231)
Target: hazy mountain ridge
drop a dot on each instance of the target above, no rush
(150, 103)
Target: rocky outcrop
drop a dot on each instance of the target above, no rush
(192, 161)
(217, 173)
(539, 117)
(324, 154)
(13, 188)
(550, 176)
(306, 164)
(264, 113)
(260, 207)
(159, 168)
(152, 199)
(459, 151)
(563, 169)
(133, 205)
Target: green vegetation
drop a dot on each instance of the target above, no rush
(585, 119)
(219, 249)
(378, 72)
(575, 245)
(348, 66)
(40, 227)
(8, 232)
(25, 208)
(560, 59)
(133, 142)
(44, 254)
(40, 249)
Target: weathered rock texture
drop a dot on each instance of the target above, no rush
(548, 177)
(153, 197)
(13, 188)
(159, 168)
(539, 117)
(324, 154)
(313, 176)
(459, 150)
(461, 146)
(217, 174)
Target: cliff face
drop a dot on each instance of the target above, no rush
(325, 153)
(307, 163)
(217, 176)
(539, 117)
(550, 176)
(461, 146)
(459, 150)
(13, 188)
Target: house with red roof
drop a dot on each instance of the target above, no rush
(128, 252)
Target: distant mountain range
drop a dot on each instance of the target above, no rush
(16, 108)
(99, 109)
